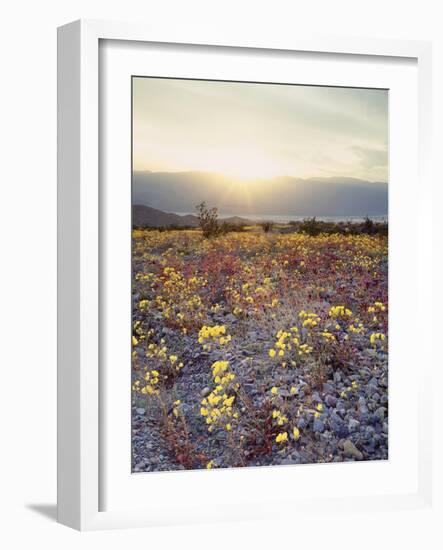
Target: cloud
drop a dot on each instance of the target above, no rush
(372, 160)
(303, 131)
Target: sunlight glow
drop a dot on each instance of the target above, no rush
(246, 131)
(242, 164)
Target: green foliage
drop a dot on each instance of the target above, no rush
(226, 227)
(210, 224)
(267, 226)
(208, 220)
(368, 226)
(311, 226)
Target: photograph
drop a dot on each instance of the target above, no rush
(259, 274)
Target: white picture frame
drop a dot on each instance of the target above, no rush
(80, 411)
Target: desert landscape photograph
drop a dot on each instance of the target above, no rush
(259, 274)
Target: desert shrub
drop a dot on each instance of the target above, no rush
(267, 226)
(368, 226)
(208, 220)
(381, 228)
(227, 227)
(311, 226)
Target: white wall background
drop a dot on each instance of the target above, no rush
(28, 263)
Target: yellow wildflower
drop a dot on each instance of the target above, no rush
(281, 437)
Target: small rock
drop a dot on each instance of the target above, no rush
(330, 401)
(140, 411)
(337, 376)
(318, 425)
(302, 423)
(340, 429)
(353, 425)
(230, 318)
(316, 398)
(351, 451)
(205, 391)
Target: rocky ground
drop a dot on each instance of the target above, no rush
(350, 428)
(340, 416)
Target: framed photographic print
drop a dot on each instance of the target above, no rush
(242, 268)
(259, 274)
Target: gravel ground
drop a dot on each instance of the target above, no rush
(350, 428)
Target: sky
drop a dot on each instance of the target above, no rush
(248, 131)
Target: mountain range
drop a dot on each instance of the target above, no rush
(145, 216)
(280, 196)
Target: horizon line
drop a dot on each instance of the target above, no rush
(227, 176)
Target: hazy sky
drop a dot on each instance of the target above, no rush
(260, 130)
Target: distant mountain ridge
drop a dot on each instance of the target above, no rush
(284, 195)
(145, 216)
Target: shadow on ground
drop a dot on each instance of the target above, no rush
(48, 511)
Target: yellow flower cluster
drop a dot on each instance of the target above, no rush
(285, 341)
(176, 407)
(253, 295)
(377, 337)
(378, 306)
(160, 352)
(178, 298)
(143, 276)
(288, 344)
(328, 336)
(149, 385)
(356, 328)
(304, 349)
(319, 410)
(161, 367)
(340, 311)
(309, 320)
(282, 437)
(279, 417)
(208, 336)
(217, 408)
(138, 334)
